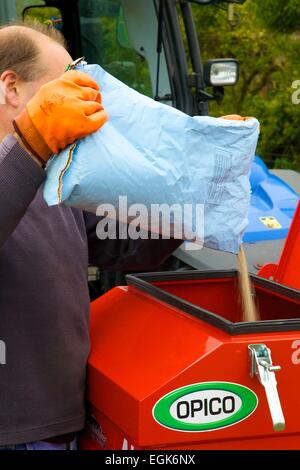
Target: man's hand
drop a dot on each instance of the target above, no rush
(236, 117)
(62, 111)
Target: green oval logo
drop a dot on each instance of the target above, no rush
(205, 406)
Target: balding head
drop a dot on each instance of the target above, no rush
(30, 56)
(31, 51)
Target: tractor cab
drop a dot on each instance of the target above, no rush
(151, 46)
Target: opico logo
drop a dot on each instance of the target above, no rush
(206, 406)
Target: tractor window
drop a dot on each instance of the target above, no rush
(121, 36)
(29, 10)
(10, 10)
(105, 41)
(7, 11)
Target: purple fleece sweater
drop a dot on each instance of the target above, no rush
(44, 300)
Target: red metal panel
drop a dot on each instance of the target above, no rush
(143, 348)
(287, 272)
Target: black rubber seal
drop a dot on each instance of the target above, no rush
(144, 281)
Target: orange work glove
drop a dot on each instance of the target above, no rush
(62, 111)
(235, 117)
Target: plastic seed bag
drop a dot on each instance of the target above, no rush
(153, 154)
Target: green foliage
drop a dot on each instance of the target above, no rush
(266, 43)
(41, 15)
(280, 15)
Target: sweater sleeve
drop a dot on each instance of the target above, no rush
(20, 178)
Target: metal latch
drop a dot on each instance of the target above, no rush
(261, 366)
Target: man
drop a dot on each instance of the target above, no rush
(45, 251)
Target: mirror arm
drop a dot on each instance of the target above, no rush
(218, 95)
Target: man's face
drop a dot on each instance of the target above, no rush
(54, 59)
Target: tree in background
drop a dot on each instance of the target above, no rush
(279, 15)
(266, 42)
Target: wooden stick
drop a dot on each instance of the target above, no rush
(250, 312)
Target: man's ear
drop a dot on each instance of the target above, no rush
(9, 89)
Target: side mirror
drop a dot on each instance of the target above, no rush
(221, 72)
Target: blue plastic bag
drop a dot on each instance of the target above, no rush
(153, 154)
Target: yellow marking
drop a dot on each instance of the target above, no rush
(271, 223)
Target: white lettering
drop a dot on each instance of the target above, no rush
(295, 95)
(296, 354)
(2, 353)
(181, 222)
(106, 228)
(125, 445)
